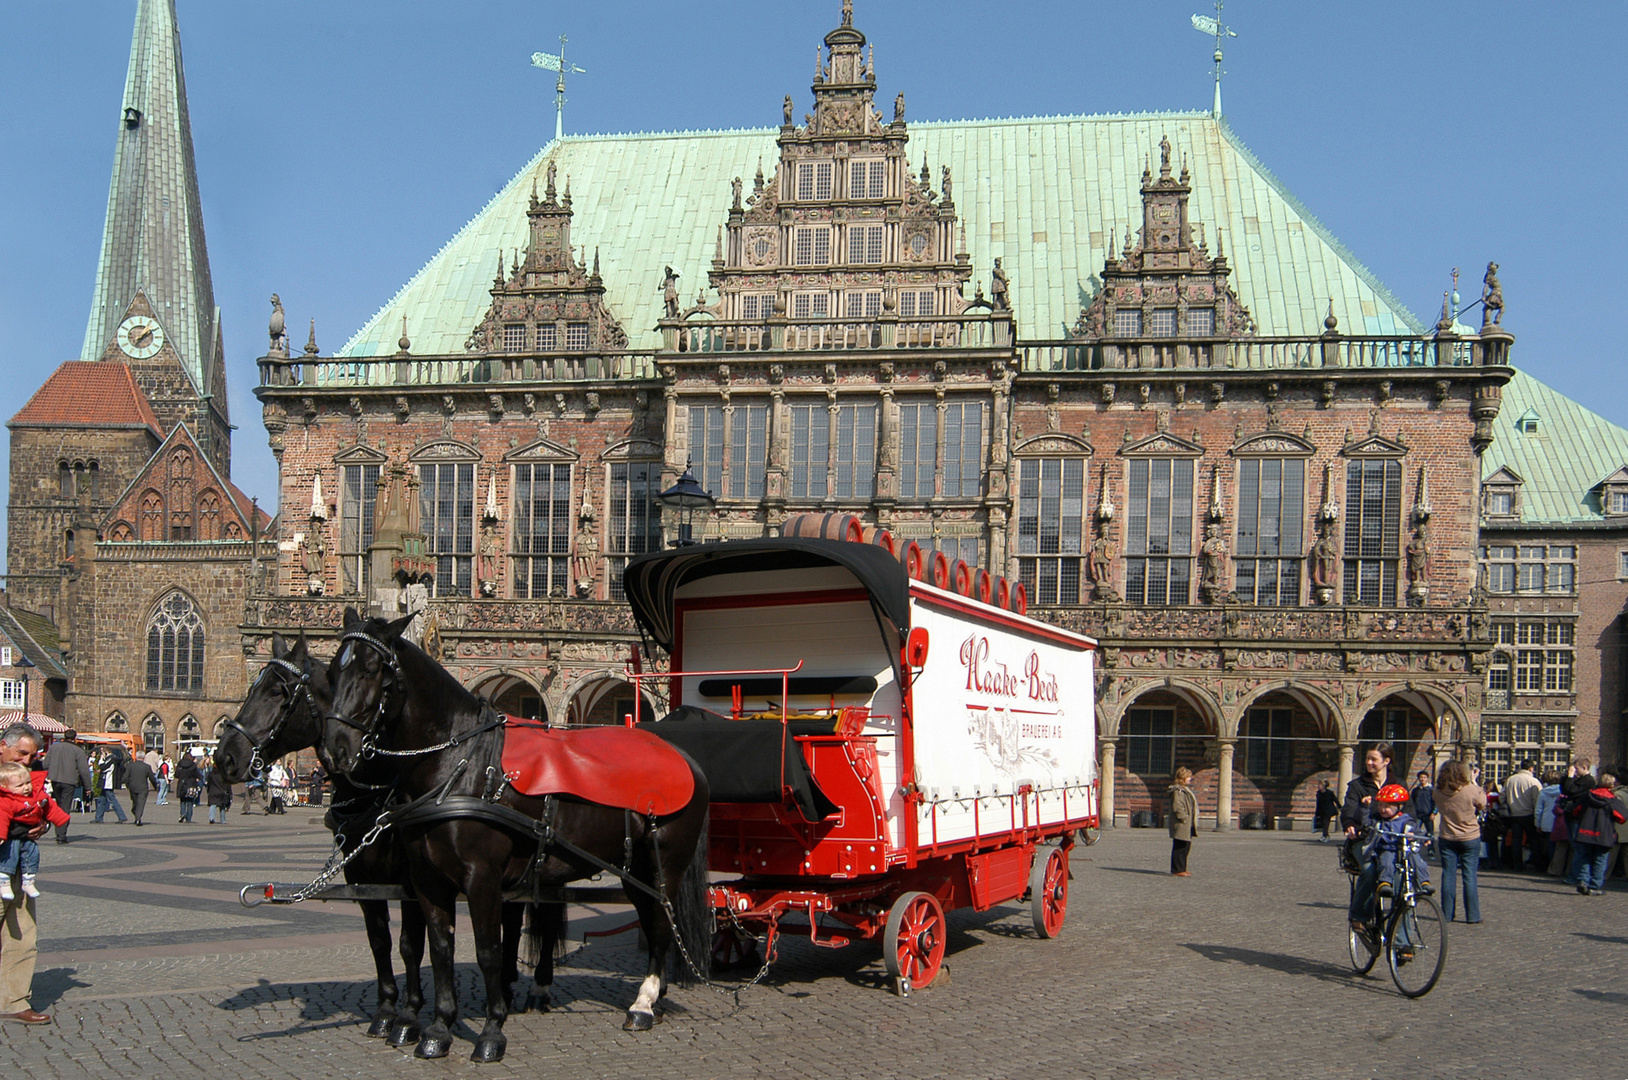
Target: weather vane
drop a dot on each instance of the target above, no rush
(550, 62)
(1206, 24)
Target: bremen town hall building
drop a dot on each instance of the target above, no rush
(1107, 357)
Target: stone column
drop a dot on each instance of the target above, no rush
(1105, 789)
(1348, 753)
(1223, 788)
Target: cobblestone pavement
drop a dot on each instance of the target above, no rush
(152, 968)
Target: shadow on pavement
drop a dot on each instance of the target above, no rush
(1611, 997)
(1601, 938)
(1288, 965)
(51, 984)
(1136, 870)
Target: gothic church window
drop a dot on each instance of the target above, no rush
(116, 724)
(175, 647)
(1051, 506)
(542, 530)
(152, 733)
(446, 497)
(180, 496)
(209, 515)
(358, 493)
(151, 525)
(1159, 532)
(634, 517)
(1373, 529)
(1271, 507)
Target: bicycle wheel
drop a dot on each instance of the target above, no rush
(1364, 950)
(1416, 946)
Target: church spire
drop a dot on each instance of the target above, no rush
(153, 241)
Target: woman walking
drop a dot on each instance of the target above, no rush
(188, 786)
(220, 795)
(1460, 802)
(1183, 820)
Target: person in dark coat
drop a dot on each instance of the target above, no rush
(1328, 809)
(1596, 813)
(314, 792)
(138, 781)
(188, 786)
(1183, 821)
(68, 767)
(220, 795)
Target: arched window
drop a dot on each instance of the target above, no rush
(64, 480)
(175, 647)
(152, 516)
(121, 533)
(181, 495)
(209, 515)
(220, 728)
(188, 729)
(117, 723)
(152, 732)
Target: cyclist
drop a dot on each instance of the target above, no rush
(1392, 823)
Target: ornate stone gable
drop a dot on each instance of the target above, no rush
(1273, 444)
(843, 228)
(1167, 285)
(1162, 444)
(550, 301)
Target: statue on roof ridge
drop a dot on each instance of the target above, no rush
(1492, 298)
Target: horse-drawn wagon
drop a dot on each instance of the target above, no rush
(880, 749)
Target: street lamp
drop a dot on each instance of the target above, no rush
(21, 661)
(686, 496)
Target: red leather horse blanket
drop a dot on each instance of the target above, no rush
(612, 766)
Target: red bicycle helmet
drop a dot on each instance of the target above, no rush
(1392, 793)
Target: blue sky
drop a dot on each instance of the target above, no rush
(340, 144)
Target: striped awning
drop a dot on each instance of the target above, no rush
(41, 723)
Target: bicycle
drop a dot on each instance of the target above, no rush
(1412, 934)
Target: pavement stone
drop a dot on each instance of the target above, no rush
(151, 967)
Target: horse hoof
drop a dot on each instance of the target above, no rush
(403, 1033)
(433, 1046)
(488, 1050)
(638, 1021)
(380, 1028)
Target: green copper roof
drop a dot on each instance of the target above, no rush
(1047, 195)
(154, 237)
(1571, 451)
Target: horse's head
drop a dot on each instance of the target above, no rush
(367, 687)
(282, 712)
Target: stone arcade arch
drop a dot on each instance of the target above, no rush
(513, 694)
(1287, 743)
(603, 698)
(1164, 723)
(1423, 724)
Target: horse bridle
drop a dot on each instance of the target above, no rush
(370, 729)
(301, 692)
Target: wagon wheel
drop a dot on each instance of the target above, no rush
(1048, 891)
(913, 944)
(734, 951)
(1088, 835)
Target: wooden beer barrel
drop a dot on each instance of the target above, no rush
(983, 585)
(875, 534)
(1003, 593)
(961, 577)
(1020, 599)
(910, 554)
(825, 527)
(938, 570)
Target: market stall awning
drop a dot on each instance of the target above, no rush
(41, 723)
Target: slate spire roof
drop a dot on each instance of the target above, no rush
(154, 236)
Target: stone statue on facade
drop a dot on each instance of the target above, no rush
(1164, 154)
(898, 108)
(998, 287)
(669, 293)
(313, 557)
(785, 111)
(1418, 560)
(488, 558)
(1213, 578)
(278, 328)
(735, 189)
(585, 548)
(1323, 565)
(1492, 298)
(1099, 568)
(947, 184)
(432, 646)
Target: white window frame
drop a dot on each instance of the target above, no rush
(811, 245)
(865, 245)
(867, 178)
(13, 693)
(814, 180)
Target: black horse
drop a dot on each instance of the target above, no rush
(284, 712)
(478, 836)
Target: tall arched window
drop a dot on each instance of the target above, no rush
(152, 516)
(117, 723)
(175, 647)
(152, 732)
(181, 506)
(209, 515)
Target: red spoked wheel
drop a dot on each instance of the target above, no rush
(1048, 891)
(913, 945)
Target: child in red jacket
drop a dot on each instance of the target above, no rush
(25, 803)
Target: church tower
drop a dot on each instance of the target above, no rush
(154, 304)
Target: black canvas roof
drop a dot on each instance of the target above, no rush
(652, 581)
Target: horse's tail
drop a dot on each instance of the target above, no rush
(544, 935)
(693, 912)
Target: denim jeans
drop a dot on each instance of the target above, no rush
(19, 855)
(109, 800)
(1588, 864)
(1456, 856)
(187, 806)
(216, 813)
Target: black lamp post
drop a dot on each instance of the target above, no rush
(686, 496)
(21, 661)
